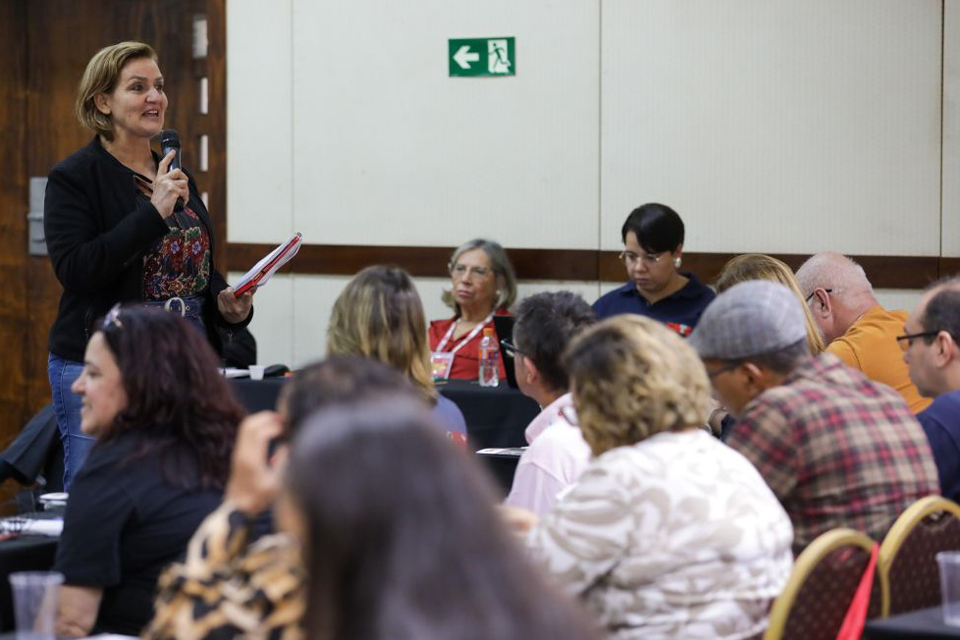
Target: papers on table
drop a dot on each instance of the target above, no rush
(44, 527)
(233, 372)
(263, 270)
(515, 452)
(32, 526)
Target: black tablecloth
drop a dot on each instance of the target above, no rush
(496, 416)
(917, 625)
(503, 467)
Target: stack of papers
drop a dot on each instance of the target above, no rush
(45, 527)
(507, 451)
(32, 526)
(233, 372)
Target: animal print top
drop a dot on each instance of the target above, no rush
(226, 589)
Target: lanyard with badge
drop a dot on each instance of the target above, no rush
(442, 363)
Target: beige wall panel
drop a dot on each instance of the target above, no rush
(951, 129)
(313, 300)
(786, 127)
(259, 121)
(293, 312)
(898, 298)
(390, 150)
(273, 319)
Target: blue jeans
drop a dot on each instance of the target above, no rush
(66, 405)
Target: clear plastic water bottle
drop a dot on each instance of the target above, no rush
(489, 359)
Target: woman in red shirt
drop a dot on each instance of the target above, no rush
(483, 285)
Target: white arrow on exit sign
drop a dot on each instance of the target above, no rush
(464, 57)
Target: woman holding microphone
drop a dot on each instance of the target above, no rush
(122, 226)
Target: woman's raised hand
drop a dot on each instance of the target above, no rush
(254, 479)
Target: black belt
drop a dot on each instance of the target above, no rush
(189, 307)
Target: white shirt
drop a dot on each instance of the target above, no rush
(556, 457)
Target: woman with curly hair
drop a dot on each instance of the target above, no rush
(668, 533)
(164, 422)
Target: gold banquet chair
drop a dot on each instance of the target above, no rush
(909, 576)
(821, 587)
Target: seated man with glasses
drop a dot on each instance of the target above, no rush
(558, 454)
(653, 242)
(857, 328)
(838, 449)
(930, 349)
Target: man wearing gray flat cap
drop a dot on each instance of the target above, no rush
(837, 449)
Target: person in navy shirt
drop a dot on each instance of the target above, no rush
(653, 242)
(930, 349)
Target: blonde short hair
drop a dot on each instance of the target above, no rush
(101, 76)
(502, 268)
(757, 266)
(632, 378)
(379, 315)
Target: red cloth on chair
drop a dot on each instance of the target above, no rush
(852, 627)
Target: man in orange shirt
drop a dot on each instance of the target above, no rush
(857, 328)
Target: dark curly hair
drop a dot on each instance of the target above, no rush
(178, 405)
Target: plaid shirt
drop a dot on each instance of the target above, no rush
(837, 449)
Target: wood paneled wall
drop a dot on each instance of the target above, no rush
(14, 318)
(44, 48)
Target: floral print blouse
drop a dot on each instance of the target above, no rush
(179, 264)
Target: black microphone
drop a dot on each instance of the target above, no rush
(170, 141)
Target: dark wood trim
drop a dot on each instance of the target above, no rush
(328, 259)
(885, 272)
(949, 267)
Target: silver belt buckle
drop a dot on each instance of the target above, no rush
(167, 306)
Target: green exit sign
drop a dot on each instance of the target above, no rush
(482, 57)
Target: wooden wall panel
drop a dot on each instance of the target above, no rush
(13, 230)
(215, 125)
(62, 36)
(44, 47)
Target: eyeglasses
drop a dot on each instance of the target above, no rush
(462, 271)
(906, 340)
(724, 369)
(510, 348)
(112, 319)
(629, 257)
(807, 299)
